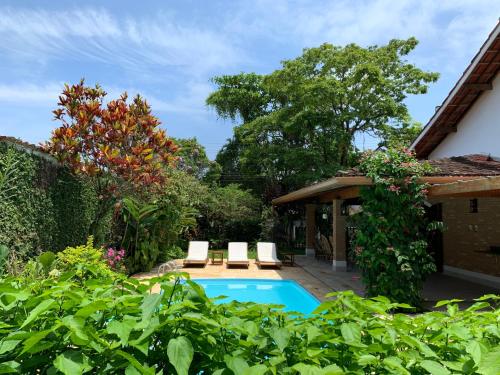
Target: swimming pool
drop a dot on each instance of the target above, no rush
(283, 292)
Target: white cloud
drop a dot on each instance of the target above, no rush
(46, 96)
(29, 95)
(449, 30)
(132, 43)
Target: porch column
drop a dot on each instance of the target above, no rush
(310, 228)
(339, 248)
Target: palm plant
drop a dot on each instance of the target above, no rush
(150, 229)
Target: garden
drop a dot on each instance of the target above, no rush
(110, 195)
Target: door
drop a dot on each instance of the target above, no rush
(435, 237)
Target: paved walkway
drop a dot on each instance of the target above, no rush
(319, 278)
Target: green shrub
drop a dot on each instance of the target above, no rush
(82, 257)
(116, 326)
(174, 252)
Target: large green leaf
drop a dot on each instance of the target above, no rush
(150, 304)
(8, 345)
(281, 336)
(236, 364)
(490, 363)
(35, 339)
(180, 354)
(474, 349)
(122, 329)
(9, 367)
(40, 309)
(72, 363)
(434, 368)
(351, 332)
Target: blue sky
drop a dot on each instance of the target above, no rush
(169, 50)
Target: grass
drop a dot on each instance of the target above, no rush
(252, 253)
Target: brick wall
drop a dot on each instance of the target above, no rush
(469, 235)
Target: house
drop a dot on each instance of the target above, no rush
(462, 142)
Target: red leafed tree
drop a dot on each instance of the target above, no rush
(118, 144)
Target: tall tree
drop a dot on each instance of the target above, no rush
(299, 123)
(192, 157)
(117, 144)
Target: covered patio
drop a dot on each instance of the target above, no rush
(464, 193)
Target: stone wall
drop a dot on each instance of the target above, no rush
(468, 236)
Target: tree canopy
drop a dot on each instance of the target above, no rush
(192, 157)
(299, 124)
(117, 144)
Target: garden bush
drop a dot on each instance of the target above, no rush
(115, 325)
(83, 257)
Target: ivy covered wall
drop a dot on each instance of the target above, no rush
(42, 205)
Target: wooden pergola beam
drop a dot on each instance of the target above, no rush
(349, 187)
(480, 186)
(346, 193)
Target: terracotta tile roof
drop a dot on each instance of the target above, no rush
(467, 165)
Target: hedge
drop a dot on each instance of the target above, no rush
(42, 205)
(112, 325)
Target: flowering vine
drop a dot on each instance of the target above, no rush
(391, 237)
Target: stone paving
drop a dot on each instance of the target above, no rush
(319, 279)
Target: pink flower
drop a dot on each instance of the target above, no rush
(408, 152)
(394, 188)
(110, 252)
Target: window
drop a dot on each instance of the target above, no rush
(473, 206)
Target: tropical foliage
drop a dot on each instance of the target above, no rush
(391, 236)
(150, 230)
(223, 213)
(118, 144)
(299, 123)
(116, 325)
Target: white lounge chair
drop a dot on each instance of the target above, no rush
(237, 254)
(197, 253)
(266, 255)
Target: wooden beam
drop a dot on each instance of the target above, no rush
(318, 189)
(433, 180)
(479, 86)
(340, 187)
(346, 193)
(447, 128)
(474, 194)
(471, 187)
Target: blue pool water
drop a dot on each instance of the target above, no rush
(283, 292)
